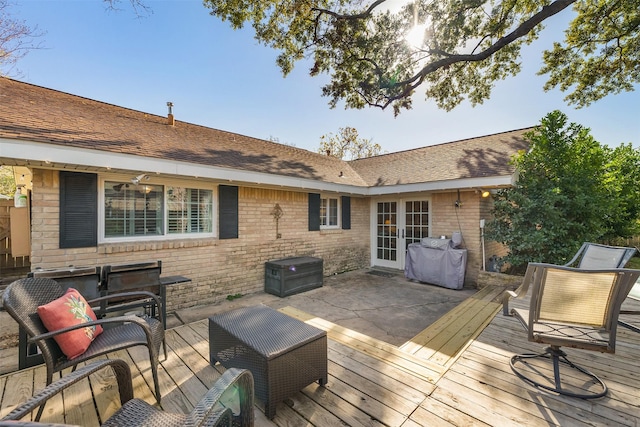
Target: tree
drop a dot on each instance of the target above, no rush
(463, 46)
(7, 181)
(16, 38)
(622, 177)
(347, 145)
(569, 190)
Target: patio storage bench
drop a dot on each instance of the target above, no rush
(283, 354)
(290, 276)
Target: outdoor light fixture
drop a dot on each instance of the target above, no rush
(483, 193)
(139, 178)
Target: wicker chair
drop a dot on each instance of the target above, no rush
(575, 308)
(135, 412)
(22, 298)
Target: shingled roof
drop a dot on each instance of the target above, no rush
(33, 113)
(479, 157)
(37, 114)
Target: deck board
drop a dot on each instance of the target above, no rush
(372, 383)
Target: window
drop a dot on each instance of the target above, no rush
(140, 210)
(328, 212)
(189, 210)
(323, 212)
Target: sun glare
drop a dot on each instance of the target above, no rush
(415, 37)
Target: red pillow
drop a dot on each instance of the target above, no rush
(69, 310)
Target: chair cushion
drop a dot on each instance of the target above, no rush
(69, 310)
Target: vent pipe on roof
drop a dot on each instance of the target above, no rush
(170, 120)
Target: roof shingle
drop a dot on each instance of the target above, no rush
(33, 113)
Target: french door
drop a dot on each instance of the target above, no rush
(398, 223)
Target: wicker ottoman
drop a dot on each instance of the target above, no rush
(283, 354)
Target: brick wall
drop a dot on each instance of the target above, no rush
(218, 268)
(466, 219)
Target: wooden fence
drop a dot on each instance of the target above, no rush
(9, 264)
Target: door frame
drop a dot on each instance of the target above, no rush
(400, 233)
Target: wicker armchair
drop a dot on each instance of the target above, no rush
(135, 412)
(22, 298)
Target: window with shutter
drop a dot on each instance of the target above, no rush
(314, 211)
(78, 210)
(228, 211)
(346, 213)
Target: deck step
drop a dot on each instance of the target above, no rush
(445, 339)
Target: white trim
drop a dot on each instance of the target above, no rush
(447, 185)
(47, 155)
(338, 213)
(102, 178)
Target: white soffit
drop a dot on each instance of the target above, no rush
(33, 152)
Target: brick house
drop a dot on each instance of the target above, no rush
(108, 185)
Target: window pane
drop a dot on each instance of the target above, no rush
(190, 210)
(132, 210)
(333, 211)
(328, 212)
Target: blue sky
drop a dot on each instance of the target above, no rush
(223, 79)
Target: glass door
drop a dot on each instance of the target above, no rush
(398, 224)
(386, 252)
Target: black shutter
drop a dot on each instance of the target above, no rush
(78, 210)
(228, 211)
(346, 213)
(314, 211)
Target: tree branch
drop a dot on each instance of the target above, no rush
(412, 83)
(360, 15)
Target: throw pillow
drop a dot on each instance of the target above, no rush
(69, 310)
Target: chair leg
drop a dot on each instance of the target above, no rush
(557, 357)
(49, 381)
(153, 357)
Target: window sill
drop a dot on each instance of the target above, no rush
(155, 245)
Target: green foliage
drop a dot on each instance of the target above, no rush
(233, 297)
(622, 176)
(7, 181)
(600, 54)
(466, 46)
(569, 190)
(347, 145)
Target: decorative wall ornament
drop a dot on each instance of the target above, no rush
(277, 214)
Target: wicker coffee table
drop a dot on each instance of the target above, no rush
(283, 354)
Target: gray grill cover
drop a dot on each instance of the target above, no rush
(436, 262)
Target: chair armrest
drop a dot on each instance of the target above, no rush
(519, 293)
(203, 413)
(120, 368)
(141, 294)
(120, 319)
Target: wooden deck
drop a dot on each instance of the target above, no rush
(456, 372)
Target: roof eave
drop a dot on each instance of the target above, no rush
(51, 156)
